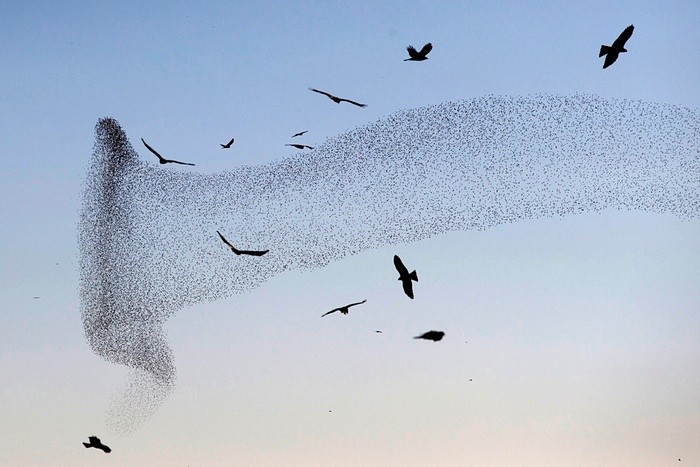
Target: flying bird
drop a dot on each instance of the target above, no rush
(431, 335)
(405, 277)
(337, 100)
(161, 159)
(299, 146)
(611, 52)
(227, 145)
(378, 332)
(241, 252)
(300, 133)
(343, 309)
(416, 56)
(96, 443)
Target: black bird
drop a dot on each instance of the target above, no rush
(378, 332)
(299, 146)
(343, 309)
(161, 159)
(300, 133)
(418, 56)
(431, 335)
(227, 145)
(96, 443)
(337, 100)
(241, 252)
(405, 277)
(611, 52)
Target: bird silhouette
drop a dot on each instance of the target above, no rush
(227, 145)
(161, 159)
(405, 277)
(343, 309)
(431, 335)
(241, 252)
(611, 52)
(96, 443)
(418, 56)
(337, 100)
(299, 146)
(300, 133)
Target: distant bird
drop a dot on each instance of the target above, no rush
(227, 145)
(35, 297)
(431, 335)
(337, 100)
(299, 146)
(418, 56)
(161, 159)
(241, 252)
(300, 133)
(96, 443)
(613, 51)
(378, 332)
(343, 309)
(405, 277)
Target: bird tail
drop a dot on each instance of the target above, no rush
(604, 49)
(414, 276)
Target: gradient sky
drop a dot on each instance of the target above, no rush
(581, 335)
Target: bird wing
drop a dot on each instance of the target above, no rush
(322, 92)
(610, 58)
(329, 312)
(152, 150)
(412, 52)
(252, 253)
(230, 142)
(178, 162)
(299, 134)
(225, 241)
(353, 102)
(93, 439)
(358, 303)
(426, 49)
(407, 287)
(310, 147)
(400, 266)
(623, 37)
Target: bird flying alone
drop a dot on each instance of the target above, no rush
(431, 336)
(161, 159)
(337, 100)
(300, 146)
(300, 133)
(416, 56)
(405, 277)
(227, 145)
(241, 252)
(343, 309)
(96, 443)
(611, 52)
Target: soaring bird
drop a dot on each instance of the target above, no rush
(405, 277)
(161, 159)
(227, 145)
(343, 309)
(337, 100)
(241, 252)
(431, 335)
(611, 52)
(96, 443)
(300, 133)
(418, 56)
(299, 146)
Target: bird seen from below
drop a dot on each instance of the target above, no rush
(161, 159)
(337, 100)
(301, 133)
(300, 146)
(416, 56)
(431, 336)
(227, 145)
(404, 276)
(241, 252)
(343, 309)
(96, 443)
(611, 52)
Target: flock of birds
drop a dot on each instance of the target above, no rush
(406, 278)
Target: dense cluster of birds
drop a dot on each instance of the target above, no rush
(148, 237)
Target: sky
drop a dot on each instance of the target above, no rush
(569, 341)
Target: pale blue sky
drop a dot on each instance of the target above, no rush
(583, 332)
